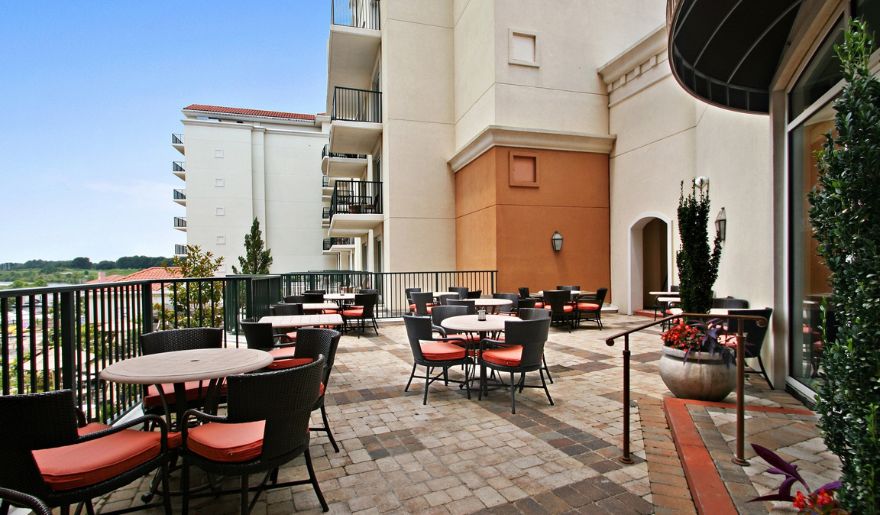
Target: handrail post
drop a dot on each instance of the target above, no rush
(626, 402)
(68, 345)
(739, 459)
(146, 308)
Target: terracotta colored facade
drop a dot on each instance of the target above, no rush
(504, 222)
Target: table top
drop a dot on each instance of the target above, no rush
(668, 299)
(445, 293)
(339, 296)
(186, 365)
(713, 311)
(471, 324)
(492, 302)
(573, 292)
(302, 320)
(318, 306)
(665, 293)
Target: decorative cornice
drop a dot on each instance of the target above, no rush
(633, 57)
(498, 136)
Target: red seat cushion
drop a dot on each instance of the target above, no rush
(568, 308)
(291, 336)
(88, 463)
(231, 443)
(194, 390)
(356, 312)
(322, 389)
(330, 312)
(505, 356)
(588, 306)
(284, 359)
(441, 351)
(175, 438)
(539, 305)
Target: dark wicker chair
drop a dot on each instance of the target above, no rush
(510, 308)
(521, 351)
(314, 343)
(322, 292)
(474, 294)
(286, 309)
(562, 311)
(460, 290)
(260, 335)
(423, 303)
(470, 304)
(364, 309)
(294, 299)
(589, 307)
(313, 298)
(266, 426)
(50, 453)
(525, 304)
(16, 498)
(408, 292)
(431, 352)
(754, 336)
(441, 313)
(537, 314)
(730, 303)
(569, 288)
(174, 340)
(524, 292)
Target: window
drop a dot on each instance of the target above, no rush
(523, 48)
(820, 75)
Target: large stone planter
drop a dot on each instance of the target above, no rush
(703, 377)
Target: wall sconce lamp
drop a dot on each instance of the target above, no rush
(721, 225)
(556, 241)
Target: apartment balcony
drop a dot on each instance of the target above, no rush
(180, 197)
(325, 216)
(177, 142)
(179, 250)
(355, 38)
(335, 164)
(338, 245)
(355, 208)
(178, 169)
(357, 120)
(180, 223)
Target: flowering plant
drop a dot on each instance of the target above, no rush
(698, 337)
(819, 502)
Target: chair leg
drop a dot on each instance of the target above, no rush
(244, 494)
(64, 510)
(166, 490)
(544, 384)
(327, 425)
(4, 507)
(427, 382)
(446, 376)
(481, 381)
(184, 487)
(467, 382)
(314, 480)
(764, 372)
(410, 378)
(512, 395)
(90, 509)
(544, 359)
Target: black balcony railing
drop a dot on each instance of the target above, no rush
(179, 221)
(329, 242)
(177, 166)
(179, 195)
(356, 197)
(177, 139)
(325, 152)
(357, 105)
(325, 213)
(325, 181)
(362, 14)
(179, 250)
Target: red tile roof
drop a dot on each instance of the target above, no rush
(106, 279)
(248, 112)
(154, 273)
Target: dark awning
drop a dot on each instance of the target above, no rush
(726, 51)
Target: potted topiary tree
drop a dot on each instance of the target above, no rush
(694, 365)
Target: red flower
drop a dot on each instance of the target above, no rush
(800, 502)
(824, 498)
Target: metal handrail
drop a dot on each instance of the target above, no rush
(177, 139)
(739, 459)
(179, 221)
(362, 14)
(356, 105)
(179, 194)
(177, 166)
(356, 197)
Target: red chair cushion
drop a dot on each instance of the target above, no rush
(412, 307)
(441, 351)
(88, 463)
(539, 305)
(568, 308)
(284, 359)
(194, 390)
(230, 443)
(506, 356)
(330, 312)
(291, 336)
(588, 306)
(322, 389)
(175, 438)
(357, 312)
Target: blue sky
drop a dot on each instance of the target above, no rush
(93, 90)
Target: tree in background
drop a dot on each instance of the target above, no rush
(195, 303)
(697, 265)
(257, 260)
(82, 263)
(845, 215)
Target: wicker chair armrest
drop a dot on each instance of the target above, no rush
(492, 343)
(163, 426)
(23, 499)
(80, 417)
(201, 416)
(439, 330)
(284, 345)
(451, 339)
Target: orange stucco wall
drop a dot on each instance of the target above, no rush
(509, 228)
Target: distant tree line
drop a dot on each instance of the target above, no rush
(84, 263)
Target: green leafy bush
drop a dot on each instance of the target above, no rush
(697, 266)
(845, 215)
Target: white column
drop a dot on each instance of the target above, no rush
(371, 252)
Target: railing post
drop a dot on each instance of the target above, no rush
(739, 459)
(626, 402)
(68, 345)
(146, 308)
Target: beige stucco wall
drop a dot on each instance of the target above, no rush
(271, 172)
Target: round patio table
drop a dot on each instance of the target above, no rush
(338, 296)
(492, 304)
(470, 324)
(181, 366)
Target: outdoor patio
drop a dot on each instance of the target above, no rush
(464, 456)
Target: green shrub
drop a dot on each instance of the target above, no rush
(845, 215)
(697, 266)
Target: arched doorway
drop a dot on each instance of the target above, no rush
(650, 259)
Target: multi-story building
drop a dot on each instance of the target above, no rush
(243, 164)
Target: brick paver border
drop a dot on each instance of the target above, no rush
(709, 494)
